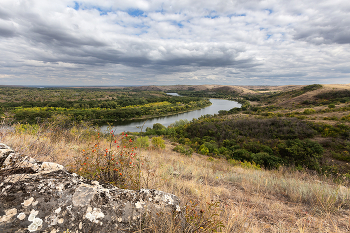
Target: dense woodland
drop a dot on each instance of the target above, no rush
(34, 105)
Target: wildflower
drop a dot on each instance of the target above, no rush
(126, 135)
(115, 141)
(120, 173)
(84, 163)
(123, 133)
(83, 150)
(87, 157)
(130, 140)
(130, 163)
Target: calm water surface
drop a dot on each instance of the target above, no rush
(135, 125)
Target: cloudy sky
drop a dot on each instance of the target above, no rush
(140, 42)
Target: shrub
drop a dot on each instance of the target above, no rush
(242, 155)
(158, 126)
(183, 150)
(331, 106)
(256, 147)
(302, 153)
(309, 111)
(142, 142)
(245, 164)
(260, 129)
(211, 146)
(117, 165)
(158, 143)
(203, 150)
(266, 160)
(343, 156)
(180, 123)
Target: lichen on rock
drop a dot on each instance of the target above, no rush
(45, 197)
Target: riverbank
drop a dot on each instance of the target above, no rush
(135, 126)
(148, 117)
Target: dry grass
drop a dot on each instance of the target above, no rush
(248, 200)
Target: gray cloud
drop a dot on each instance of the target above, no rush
(151, 42)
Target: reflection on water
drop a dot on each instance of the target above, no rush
(135, 125)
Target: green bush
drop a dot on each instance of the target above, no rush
(183, 150)
(331, 106)
(142, 142)
(158, 143)
(256, 147)
(211, 146)
(203, 150)
(309, 111)
(180, 123)
(302, 153)
(343, 156)
(266, 160)
(242, 155)
(158, 126)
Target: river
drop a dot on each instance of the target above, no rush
(135, 125)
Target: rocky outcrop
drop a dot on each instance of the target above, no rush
(44, 197)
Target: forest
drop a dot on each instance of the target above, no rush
(100, 106)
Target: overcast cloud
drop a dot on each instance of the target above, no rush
(139, 42)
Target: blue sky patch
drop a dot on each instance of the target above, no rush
(236, 15)
(76, 6)
(102, 11)
(269, 10)
(135, 12)
(211, 16)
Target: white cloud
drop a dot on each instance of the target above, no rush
(150, 42)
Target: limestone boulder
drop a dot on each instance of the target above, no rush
(45, 197)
